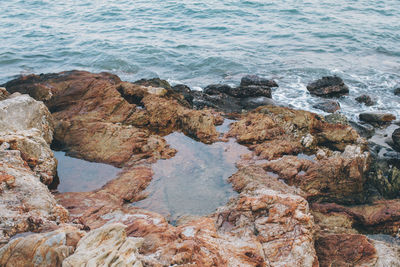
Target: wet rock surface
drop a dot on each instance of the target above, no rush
(305, 194)
(377, 118)
(330, 86)
(366, 99)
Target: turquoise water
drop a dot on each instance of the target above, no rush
(203, 42)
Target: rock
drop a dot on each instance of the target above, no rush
(215, 89)
(185, 91)
(25, 203)
(330, 86)
(21, 112)
(385, 175)
(396, 138)
(255, 80)
(3, 93)
(154, 82)
(254, 102)
(379, 217)
(337, 118)
(45, 249)
(376, 118)
(106, 246)
(365, 130)
(224, 102)
(329, 106)
(397, 91)
(251, 91)
(366, 99)
(345, 250)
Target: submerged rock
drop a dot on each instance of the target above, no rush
(329, 86)
(329, 106)
(366, 99)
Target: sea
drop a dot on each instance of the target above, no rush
(205, 42)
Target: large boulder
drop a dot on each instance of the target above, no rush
(329, 86)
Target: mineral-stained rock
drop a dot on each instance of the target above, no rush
(345, 250)
(329, 106)
(377, 118)
(328, 86)
(366, 99)
(382, 216)
(385, 175)
(45, 249)
(25, 203)
(106, 246)
(98, 110)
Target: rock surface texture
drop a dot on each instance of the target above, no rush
(330, 86)
(305, 196)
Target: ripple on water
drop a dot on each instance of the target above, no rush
(195, 180)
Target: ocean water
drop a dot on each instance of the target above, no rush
(203, 42)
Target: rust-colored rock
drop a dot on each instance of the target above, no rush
(345, 250)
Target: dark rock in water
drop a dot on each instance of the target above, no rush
(366, 99)
(397, 90)
(337, 118)
(329, 106)
(223, 102)
(385, 175)
(254, 102)
(376, 118)
(396, 138)
(155, 82)
(330, 86)
(215, 89)
(185, 91)
(364, 130)
(251, 91)
(255, 80)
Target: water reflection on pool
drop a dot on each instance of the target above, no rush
(77, 175)
(195, 180)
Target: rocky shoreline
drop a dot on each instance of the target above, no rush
(312, 192)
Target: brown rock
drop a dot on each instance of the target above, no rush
(345, 250)
(329, 106)
(366, 99)
(377, 118)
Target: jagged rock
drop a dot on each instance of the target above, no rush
(366, 99)
(45, 249)
(101, 111)
(330, 86)
(215, 89)
(329, 106)
(25, 203)
(382, 216)
(385, 175)
(106, 246)
(376, 118)
(154, 82)
(255, 80)
(185, 91)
